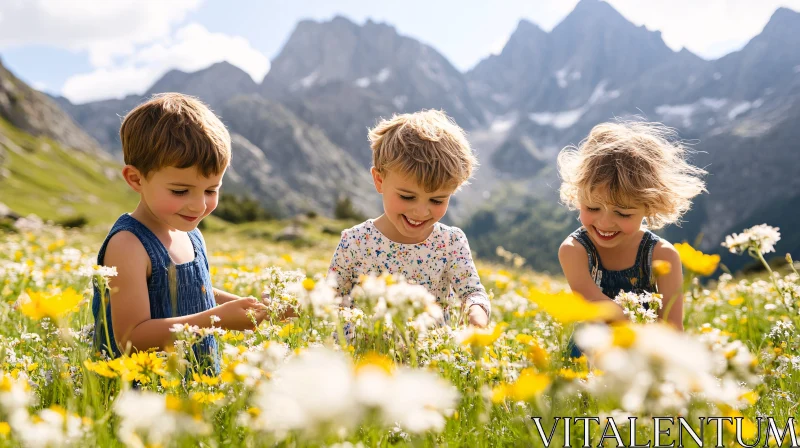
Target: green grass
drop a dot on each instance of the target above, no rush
(57, 183)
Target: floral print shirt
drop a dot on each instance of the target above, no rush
(442, 263)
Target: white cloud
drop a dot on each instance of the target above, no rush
(710, 28)
(104, 28)
(189, 49)
(105, 83)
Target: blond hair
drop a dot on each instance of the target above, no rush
(632, 164)
(427, 145)
(172, 129)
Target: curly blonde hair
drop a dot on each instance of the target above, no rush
(631, 164)
(428, 145)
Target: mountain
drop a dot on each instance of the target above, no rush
(49, 166)
(499, 79)
(102, 119)
(300, 137)
(599, 66)
(344, 76)
(38, 115)
(252, 175)
(311, 166)
(593, 46)
(215, 84)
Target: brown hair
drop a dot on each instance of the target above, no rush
(631, 163)
(172, 129)
(427, 145)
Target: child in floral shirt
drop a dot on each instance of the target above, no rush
(419, 161)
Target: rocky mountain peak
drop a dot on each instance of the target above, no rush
(39, 115)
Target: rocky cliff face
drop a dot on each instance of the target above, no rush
(37, 114)
(307, 162)
(345, 76)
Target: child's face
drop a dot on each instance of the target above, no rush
(609, 225)
(180, 197)
(409, 208)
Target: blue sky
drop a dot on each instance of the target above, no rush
(92, 49)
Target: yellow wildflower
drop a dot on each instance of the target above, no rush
(483, 337)
(373, 359)
(538, 356)
(56, 245)
(288, 330)
(529, 385)
(40, 304)
(231, 337)
(525, 339)
(748, 427)
(205, 379)
(308, 284)
(623, 336)
(128, 369)
(737, 301)
(149, 362)
(173, 402)
(567, 307)
(750, 397)
(207, 397)
(696, 261)
(171, 383)
(100, 367)
(570, 374)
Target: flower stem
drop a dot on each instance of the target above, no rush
(771, 276)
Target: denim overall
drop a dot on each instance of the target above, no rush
(637, 278)
(191, 289)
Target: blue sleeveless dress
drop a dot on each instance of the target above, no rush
(638, 278)
(192, 291)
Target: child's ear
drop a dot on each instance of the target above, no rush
(133, 177)
(377, 179)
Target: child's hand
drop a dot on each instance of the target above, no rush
(286, 314)
(235, 315)
(478, 317)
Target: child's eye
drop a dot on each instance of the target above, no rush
(622, 215)
(407, 198)
(437, 201)
(592, 209)
(211, 192)
(179, 192)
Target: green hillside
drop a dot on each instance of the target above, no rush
(37, 175)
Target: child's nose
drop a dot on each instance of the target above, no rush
(604, 221)
(197, 205)
(422, 211)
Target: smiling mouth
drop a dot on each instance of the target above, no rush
(605, 235)
(412, 223)
(188, 218)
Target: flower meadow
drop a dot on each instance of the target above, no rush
(401, 375)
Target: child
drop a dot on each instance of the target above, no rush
(176, 152)
(625, 179)
(419, 160)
